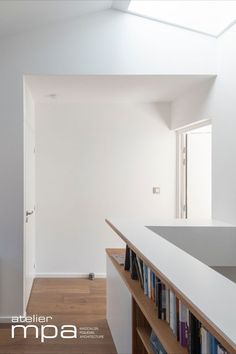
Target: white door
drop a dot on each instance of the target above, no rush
(198, 169)
(29, 184)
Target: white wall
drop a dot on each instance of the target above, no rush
(103, 43)
(224, 128)
(11, 195)
(217, 102)
(94, 161)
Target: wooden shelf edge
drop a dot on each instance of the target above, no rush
(148, 308)
(145, 338)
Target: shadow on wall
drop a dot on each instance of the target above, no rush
(164, 111)
(160, 109)
(193, 105)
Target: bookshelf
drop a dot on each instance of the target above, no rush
(204, 305)
(145, 315)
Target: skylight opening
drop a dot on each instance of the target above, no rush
(210, 17)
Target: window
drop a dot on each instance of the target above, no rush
(210, 17)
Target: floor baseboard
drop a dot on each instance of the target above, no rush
(8, 319)
(68, 275)
(5, 319)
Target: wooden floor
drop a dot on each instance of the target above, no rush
(78, 302)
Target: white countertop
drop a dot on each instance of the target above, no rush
(210, 292)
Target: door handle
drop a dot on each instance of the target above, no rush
(29, 212)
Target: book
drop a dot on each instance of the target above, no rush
(153, 285)
(159, 296)
(163, 301)
(156, 344)
(220, 349)
(183, 330)
(149, 281)
(140, 271)
(194, 339)
(172, 311)
(133, 266)
(167, 305)
(127, 258)
(209, 342)
(156, 291)
(145, 279)
(204, 341)
(173, 314)
(177, 318)
(212, 344)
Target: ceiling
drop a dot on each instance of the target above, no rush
(17, 15)
(122, 88)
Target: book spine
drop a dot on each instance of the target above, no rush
(140, 271)
(194, 344)
(159, 304)
(134, 273)
(204, 346)
(156, 344)
(214, 345)
(149, 282)
(163, 301)
(156, 292)
(209, 342)
(177, 318)
(127, 258)
(174, 312)
(183, 324)
(153, 278)
(145, 280)
(168, 305)
(172, 317)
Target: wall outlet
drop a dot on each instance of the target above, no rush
(156, 190)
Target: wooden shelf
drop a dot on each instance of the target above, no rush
(144, 335)
(148, 308)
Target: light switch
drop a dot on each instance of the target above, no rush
(156, 190)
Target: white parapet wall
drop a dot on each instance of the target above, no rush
(119, 314)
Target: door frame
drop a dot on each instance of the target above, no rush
(181, 166)
(28, 132)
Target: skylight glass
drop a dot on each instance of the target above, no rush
(211, 17)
